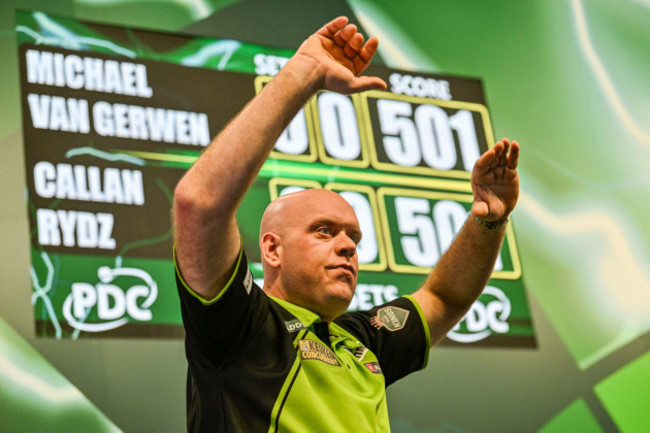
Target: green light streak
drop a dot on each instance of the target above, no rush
(41, 292)
(151, 241)
(274, 167)
(67, 39)
(87, 150)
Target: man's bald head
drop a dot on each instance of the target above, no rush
(287, 210)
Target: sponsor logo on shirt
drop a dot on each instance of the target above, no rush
(310, 349)
(392, 318)
(294, 325)
(360, 353)
(248, 281)
(374, 367)
(357, 352)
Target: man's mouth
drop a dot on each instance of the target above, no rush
(344, 266)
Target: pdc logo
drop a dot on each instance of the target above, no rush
(114, 304)
(488, 315)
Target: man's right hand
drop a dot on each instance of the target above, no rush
(339, 54)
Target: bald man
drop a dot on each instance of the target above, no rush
(308, 240)
(289, 358)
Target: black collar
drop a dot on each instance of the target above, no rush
(322, 331)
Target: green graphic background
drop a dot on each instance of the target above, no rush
(568, 79)
(143, 231)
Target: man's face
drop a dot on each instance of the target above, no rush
(318, 252)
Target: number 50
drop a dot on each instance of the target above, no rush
(425, 233)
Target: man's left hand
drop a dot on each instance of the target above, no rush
(495, 182)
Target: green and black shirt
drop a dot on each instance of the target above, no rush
(262, 364)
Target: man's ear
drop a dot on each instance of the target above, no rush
(270, 248)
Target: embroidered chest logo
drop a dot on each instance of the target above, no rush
(374, 367)
(294, 325)
(360, 353)
(392, 318)
(310, 349)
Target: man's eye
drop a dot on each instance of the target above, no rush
(355, 239)
(324, 230)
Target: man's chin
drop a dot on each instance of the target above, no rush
(341, 298)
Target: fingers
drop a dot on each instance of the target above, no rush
(351, 41)
(485, 159)
(330, 29)
(503, 153)
(495, 182)
(368, 51)
(361, 84)
(347, 37)
(354, 45)
(513, 159)
(498, 162)
(502, 157)
(343, 36)
(346, 56)
(365, 54)
(508, 153)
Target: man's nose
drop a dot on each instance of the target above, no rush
(345, 245)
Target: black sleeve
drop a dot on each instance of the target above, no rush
(217, 330)
(395, 332)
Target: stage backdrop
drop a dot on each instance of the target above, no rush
(110, 128)
(102, 120)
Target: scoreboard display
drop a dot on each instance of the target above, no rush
(110, 127)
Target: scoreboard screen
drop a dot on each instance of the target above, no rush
(113, 117)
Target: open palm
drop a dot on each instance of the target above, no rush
(495, 182)
(340, 54)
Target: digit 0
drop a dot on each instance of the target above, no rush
(294, 140)
(368, 249)
(339, 127)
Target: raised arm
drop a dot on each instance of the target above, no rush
(206, 198)
(463, 271)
